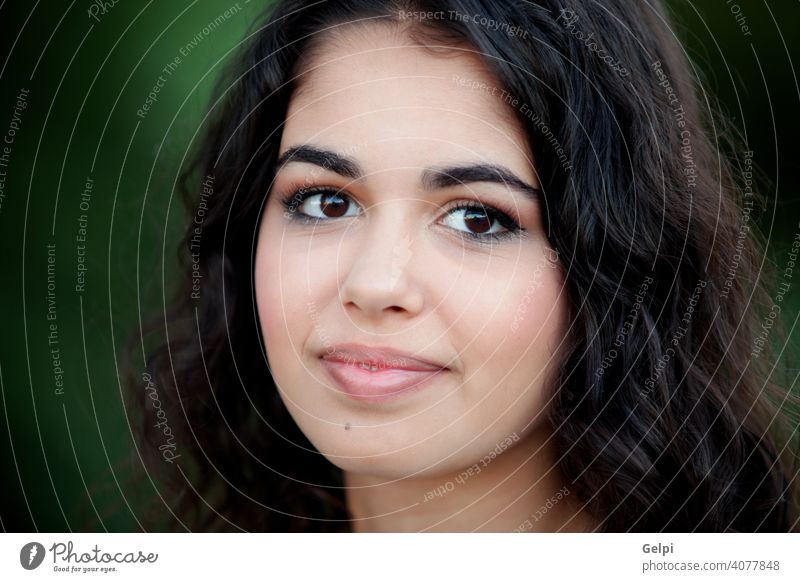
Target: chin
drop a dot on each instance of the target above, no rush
(391, 462)
(391, 467)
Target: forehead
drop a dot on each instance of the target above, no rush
(373, 84)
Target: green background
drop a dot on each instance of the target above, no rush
(65, 459)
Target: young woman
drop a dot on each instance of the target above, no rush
(467, 266)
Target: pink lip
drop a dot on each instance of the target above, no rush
(392, 373)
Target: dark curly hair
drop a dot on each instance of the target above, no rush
(667, 416)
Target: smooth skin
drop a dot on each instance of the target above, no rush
(388, 263)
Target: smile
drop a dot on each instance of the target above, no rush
(378, 374)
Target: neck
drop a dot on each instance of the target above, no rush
(518, 490)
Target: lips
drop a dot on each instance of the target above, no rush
(377, 373)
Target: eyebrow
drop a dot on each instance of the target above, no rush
(327, 159)
(432, 178)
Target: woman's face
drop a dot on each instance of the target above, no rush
(399, 233)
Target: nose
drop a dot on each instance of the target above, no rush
(382, 275)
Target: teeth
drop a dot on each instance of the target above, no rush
(369, 367)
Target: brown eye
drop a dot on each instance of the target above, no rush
(333, 205)
(328, 204)
(477, 221)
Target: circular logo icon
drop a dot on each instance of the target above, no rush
(31, 555)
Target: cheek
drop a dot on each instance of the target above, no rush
(537, 309)
(517, 323)
(279, 292)
(294, 281)
(511, 306)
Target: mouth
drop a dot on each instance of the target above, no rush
(378, 374)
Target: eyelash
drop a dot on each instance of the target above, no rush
(295, 199)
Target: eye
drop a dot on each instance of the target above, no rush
(479, 221)
(475, 221)
(320, 204)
